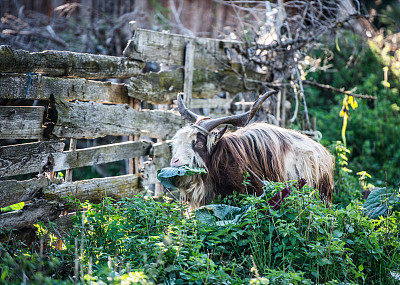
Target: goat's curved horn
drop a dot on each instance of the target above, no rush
(185, 112)
(240, 120)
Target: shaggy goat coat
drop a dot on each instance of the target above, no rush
(270, 152)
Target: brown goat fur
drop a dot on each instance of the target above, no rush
(266, 151)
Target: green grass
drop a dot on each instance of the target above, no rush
(144, 241)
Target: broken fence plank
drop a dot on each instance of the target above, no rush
(29, 157)
(15, 86)
(93, 120)
(151, 46)
(21, 122)
(66, 63)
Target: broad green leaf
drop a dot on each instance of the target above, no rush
(379, 202)
(167, 175)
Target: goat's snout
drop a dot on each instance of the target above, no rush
(175, 162)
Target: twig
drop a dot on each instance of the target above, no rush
(340, 90)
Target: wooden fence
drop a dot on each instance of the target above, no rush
(70, 105)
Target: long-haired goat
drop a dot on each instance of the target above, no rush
(264, 151)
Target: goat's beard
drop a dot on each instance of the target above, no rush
(193, 190)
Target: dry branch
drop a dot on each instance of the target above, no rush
(340, 90)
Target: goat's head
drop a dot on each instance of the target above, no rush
(194, 144)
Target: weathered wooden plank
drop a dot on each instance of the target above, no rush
(13, 191)
(211, 103)
(162, 87)
(14, 86)
(28, 158)
(21, 122)
(151, 46)
(92, 120)
(66, 63)
(100, 154)
(39, 210)
(95, 190)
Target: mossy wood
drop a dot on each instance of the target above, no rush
(39, 87)
(94, 190)
(93, 120)
(151, 46)
(66, 63)
(162, 87)
(13, 191)
(21, 122)
(48, 156)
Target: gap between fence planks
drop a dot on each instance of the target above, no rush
(66, 63)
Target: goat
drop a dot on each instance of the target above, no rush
(260, 149)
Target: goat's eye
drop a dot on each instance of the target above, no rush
(199, 144)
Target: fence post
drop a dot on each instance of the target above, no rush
(69, 172)
(188, 79)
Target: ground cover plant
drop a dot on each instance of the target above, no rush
(145, 241)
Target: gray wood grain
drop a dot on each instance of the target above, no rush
(28, 158)
(66, 63)
(21, 122)
(151, 46)
(93, 120)
(14, 86)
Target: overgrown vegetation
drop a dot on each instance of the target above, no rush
(144, 241)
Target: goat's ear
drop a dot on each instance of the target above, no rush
(219, 135)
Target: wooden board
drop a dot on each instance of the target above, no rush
(93, 120)
(48, 156)
(151, 46)
(13, 191)
(100, 154)
(28, 158)
(66, 63)
(162, 87)
(15, 86)
(95, 190)
(21, 122)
